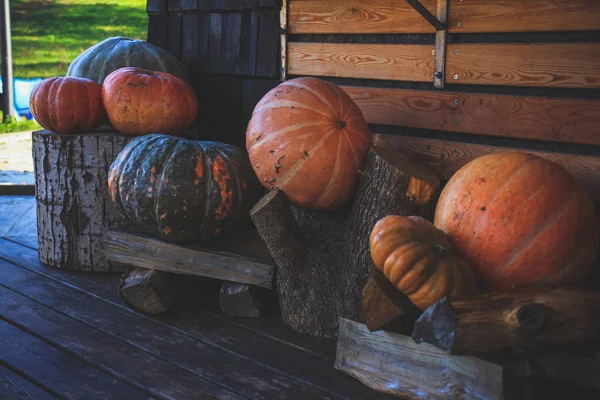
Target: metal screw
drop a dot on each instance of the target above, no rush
(455, 101)
(455, 51)
(432, 51)
(455, 76)
(459, 24)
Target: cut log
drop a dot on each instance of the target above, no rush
(323, 259)
(392, 363)
(386, 308)
(240, 300)
(148, 291)
(525, 317)
(147, 252)
(73, 203)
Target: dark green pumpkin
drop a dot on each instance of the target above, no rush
(98, 61)
(182, 190)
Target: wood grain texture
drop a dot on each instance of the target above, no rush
(368, 61)
(73, 202)
(524, 16)
(154, 375)
(527, 318)
(266, 341)
(575, 65)
(447, 157)
(147, 252)
(537, 118)
(171, 363)
(15, 387)
(343, 16)
(57, 371)
(148, 291)
(394, 364)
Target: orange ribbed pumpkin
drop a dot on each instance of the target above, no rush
(308, 139)
(67, 104)
(418, 260)
(139, 102)
(519, 220)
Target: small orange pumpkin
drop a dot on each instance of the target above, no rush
(418, 259)
(67, 104)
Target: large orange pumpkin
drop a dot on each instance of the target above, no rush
(139, 102)
(67, 104)
(418, 260)
(308, 139)
(519, 220)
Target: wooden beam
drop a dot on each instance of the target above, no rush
(447, 157)
(368, 61)
(146, 252)
(440, 46)
(342, 16)
(527, 318)
(537, 118)
(540, 64)
(283, 38)
(480, 16)
(392, 363)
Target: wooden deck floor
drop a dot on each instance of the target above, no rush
(68, 335)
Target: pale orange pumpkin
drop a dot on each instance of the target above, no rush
(418, 260)
(519, 220)
(308, 139)
(139, 102)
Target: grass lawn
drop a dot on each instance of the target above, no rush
(48, 34)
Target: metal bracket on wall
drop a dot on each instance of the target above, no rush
(437, 23)
(439, 66)
(265, 16)
(440, 23)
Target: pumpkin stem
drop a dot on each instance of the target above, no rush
(341, 124)
(439, 249)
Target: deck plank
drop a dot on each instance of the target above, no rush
(15, 387)
(145, 371)
(12, 209)
(57, 371)
(266, 341)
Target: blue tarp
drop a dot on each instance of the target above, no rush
(23, 88)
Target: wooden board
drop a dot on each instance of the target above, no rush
(194, 360)
(446, 157)
(15, 387)
(524, 16)
(57, 371)
(343, 16)
(263, 341)
(370, 61)
(538, 118)
(148, 252)
(395, 364)
(541, 64)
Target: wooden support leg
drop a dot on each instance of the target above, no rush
(148, 291)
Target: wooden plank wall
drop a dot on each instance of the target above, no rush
(519, 75)
(231, 52)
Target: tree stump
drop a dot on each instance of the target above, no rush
(73, 203)
(324, 259)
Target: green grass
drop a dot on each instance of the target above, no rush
(48, 34)
(13, 125)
